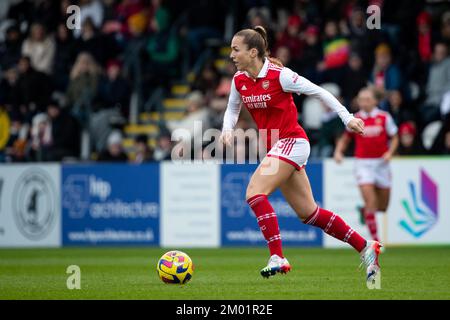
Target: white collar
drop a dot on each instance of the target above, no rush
(263, 72)
(370, 114)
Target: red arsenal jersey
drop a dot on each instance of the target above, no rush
(378, 128)
(268, 104)
(269, 101)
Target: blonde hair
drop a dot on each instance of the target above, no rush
(84, 63)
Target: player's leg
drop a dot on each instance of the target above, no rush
(366, 177)
(383, 190)
(383, 197)
(370, 198)
(298, 193)
(383, 182)
(269, 175)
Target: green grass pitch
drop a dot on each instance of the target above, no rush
(229, 273)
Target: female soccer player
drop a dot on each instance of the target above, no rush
(265, 87)
(372, 153)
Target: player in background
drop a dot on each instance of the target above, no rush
(265, 87)
(373, 151)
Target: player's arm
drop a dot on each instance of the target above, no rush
(391, 129)
(341, 146)
(292, 82)
(231, 115)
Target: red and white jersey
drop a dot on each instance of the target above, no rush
(379, 127)
(269, 100)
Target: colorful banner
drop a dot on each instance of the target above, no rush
(419, 212)
(110, 204)
(239, 226)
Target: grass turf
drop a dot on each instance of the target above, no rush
(130, 273)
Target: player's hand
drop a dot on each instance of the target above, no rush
(226, 137)
(387, 156)
(356, 125)
(338, 157)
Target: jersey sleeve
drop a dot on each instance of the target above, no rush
(391, 127)
(231, 115)
(291, 82)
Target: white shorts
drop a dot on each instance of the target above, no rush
(294, 151)
(373, 171)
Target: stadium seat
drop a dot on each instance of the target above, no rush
(430, 133)
(313, 109)
(312, 113)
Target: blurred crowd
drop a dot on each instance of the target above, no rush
(59, 84)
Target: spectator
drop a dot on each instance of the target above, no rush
(312, 54)
(163, 147)
(65, 134)
(134, 52)
(15, 150)
(11, 48)
(385, 75)
(399, 110)
(424, 47)
(260, 16)
(290, 38)
(40, 47)
(284, 55)
(196, 119)
(64, 57)
(217, 107)
(410, 143)
(90, 10)
(354, 71)
(361, 39)
(114, 150)
(336, 50)
(438, 84)
(83, 86)
(331, 128)
(41, 137)
(124, 10)
(115, 90)
(445, 28)
(101, 47)
(224, 87)
(143, 151)
(32, 90)
(163, 49)
(208, 79)
(8, 86)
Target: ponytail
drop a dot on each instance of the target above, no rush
(257, 38)
(263, 33)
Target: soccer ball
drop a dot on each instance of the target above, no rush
(175, 267)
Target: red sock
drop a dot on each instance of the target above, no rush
(371, 223)
(333, 225)
(268, 222)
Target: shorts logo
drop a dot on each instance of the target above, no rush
(425, 214)
(34, 204)
(265, 84)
